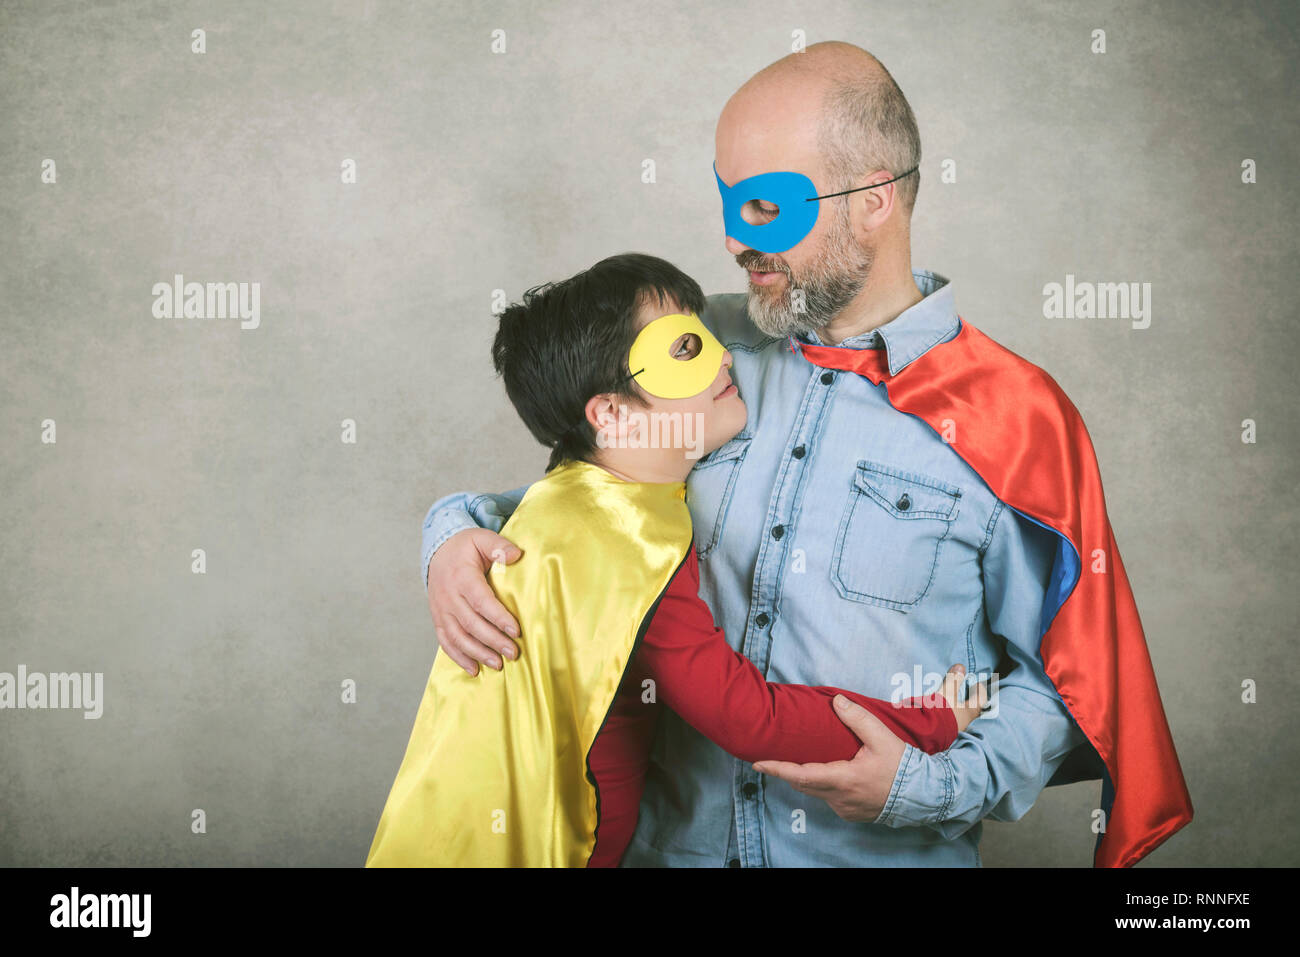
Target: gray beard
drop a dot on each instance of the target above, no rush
(833, 281)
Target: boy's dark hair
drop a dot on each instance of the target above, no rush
(568, 341)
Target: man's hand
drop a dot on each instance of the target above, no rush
(857, 790)
(473, 626)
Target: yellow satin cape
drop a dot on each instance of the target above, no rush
(495, 772)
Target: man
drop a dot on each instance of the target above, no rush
(841, 540)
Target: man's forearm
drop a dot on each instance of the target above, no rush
(455, 513)
(997, 767)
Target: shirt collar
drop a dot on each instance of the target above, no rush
(911, 333)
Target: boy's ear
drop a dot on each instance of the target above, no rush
(609, 416)
(600, 411)
(602, 415)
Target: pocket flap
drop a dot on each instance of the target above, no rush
(905, 494)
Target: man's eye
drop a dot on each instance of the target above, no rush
(756, 212)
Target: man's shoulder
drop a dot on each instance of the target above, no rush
(1011, 376)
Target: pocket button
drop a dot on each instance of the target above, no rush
(891, 532)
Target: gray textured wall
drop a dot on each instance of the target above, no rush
(477, 172)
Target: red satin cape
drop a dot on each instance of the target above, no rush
(1010, 422)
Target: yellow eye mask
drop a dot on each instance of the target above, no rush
(680, 373)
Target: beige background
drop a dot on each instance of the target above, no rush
(480, 172)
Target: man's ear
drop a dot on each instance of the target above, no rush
(872, 207)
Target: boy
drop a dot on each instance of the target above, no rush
(543, 763)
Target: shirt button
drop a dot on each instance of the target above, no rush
(762, 619)
(904, 503)
(778, 532)
(734, 862)
(749, 790)
(827, 378)
(798, 452)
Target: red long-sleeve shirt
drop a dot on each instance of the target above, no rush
(724, 696)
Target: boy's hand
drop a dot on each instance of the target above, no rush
(977, 697)
(472, 624)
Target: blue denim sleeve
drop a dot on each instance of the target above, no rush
(998, 766)
(455, 513)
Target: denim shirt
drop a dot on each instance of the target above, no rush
(844, 543)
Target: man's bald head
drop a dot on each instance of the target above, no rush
(834, 114)
(833, 110)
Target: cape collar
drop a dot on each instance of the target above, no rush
(594, 477)
(898, 342)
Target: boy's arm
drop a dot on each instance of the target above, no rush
(724, 696)
(458, 546)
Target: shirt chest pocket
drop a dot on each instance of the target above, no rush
(709, 490)
(890, 536)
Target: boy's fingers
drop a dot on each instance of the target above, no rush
(965, 717)
(952, 682)
(973, 707)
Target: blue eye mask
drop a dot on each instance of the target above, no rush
(795, 198)
(788, 192)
